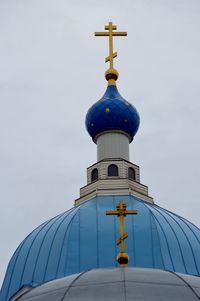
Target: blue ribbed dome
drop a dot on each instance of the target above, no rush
(84, 238)
(112, 112)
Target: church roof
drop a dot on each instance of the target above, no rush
(117, 284)
(84, 238)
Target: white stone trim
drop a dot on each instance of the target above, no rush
(123, 192)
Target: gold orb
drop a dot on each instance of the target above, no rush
(122, 258)
(111, 74)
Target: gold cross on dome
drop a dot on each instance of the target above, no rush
(110, 27)
(121, 212)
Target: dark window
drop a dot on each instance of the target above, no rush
(112, 170)
(131, 174)
(94, 175)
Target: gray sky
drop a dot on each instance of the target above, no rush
(52, 71)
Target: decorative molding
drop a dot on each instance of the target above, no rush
(104, 192)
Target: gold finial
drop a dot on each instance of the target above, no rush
(121, 212)
(111, 74)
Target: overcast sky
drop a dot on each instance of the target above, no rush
(52, 70)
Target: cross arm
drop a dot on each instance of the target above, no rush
(110, 26)
(112, 212)
(107, 59)
(131, 212)
(119, 33)
(124, 236)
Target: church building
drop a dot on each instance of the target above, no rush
(116, 243)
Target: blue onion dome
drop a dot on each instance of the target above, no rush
(112, 113)
(84, 237)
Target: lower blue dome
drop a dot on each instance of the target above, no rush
(112, 112)
(84, 237)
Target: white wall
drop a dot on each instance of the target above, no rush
(112, 145)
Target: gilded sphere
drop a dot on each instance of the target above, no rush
(111, 74)
(122, 258)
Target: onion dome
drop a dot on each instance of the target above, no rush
(84, 238)
(112, 113)
(116, 284)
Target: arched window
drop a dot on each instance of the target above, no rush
(94, 175)
(112, 170)
(131, 173)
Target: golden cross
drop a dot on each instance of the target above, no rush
(121, 212)
(110, 27)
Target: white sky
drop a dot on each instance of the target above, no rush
(51, 72)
